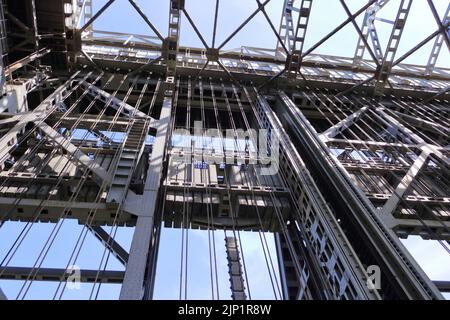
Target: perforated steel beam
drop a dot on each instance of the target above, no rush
(296, 41)
(171, 43)
(286, 30)
(384, 69)
(368, 29)
(438, 42)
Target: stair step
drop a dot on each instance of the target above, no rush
(123, 171)
(128, 155)
(120, 180)
(125, 163)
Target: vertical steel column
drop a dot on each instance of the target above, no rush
(172, 41)
(132, 287)
(282, 264)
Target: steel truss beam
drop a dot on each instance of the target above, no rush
(96, 15)
(384, 69)
(114, 102)
(74, 151)
(391, 205)
(52, 209)
(54, 274)
(293, 41)
(342, 125)
(142, 14)
(368, 29)
(25, 61)
(318, 69)
(402, 223)
(444, 29)
(424, 146)
(372, 144)
(112, 245)
(438, 43)
(362, 36)
(38, 115)
(104, 123)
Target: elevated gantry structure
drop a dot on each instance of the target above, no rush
(95, 126)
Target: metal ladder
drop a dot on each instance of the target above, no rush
(132, 150)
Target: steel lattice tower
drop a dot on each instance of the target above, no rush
(90, 127)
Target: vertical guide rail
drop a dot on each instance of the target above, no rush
(235, 269)
(340, 273)
(3, 48)
(381, 245)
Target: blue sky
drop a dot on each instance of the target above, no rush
(325, 15)
(121, 17)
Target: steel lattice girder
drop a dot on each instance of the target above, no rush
(167, 59)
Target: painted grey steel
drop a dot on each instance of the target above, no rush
(133, 284)
(321, 206)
